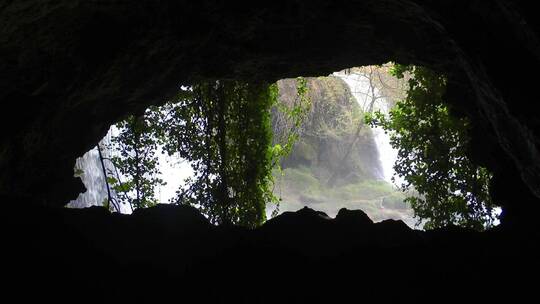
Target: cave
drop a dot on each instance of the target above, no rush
(71, 69)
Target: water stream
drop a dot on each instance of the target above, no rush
(359, 87)
(89, 169)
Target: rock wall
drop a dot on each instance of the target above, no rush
(330, 141)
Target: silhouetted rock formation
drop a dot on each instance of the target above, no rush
(173, 252)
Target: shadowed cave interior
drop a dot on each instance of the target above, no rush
(70, 70)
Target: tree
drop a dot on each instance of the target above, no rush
(432, 155)
(376, 90)
(380, 85)
(111, 202)
(288, 117)
(136, 145)
(223, 129)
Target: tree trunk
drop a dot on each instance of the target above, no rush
(109, 197)
(222, 145)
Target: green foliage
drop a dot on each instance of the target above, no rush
(334, 112)
(78, 172)
(223, 128)
(301, 178)
(137, 161)
(294, 115)
(292, 119)
(379, 199)
(432, 155)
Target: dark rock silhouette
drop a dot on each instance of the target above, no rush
(353, 217)
(172, 252)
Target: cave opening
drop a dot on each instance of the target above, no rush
(339, 157)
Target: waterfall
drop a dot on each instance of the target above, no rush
(89, 169)
(387, 154)
(174, 171)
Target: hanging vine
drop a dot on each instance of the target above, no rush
(223, 129)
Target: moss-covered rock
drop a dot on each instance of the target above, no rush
(333, 141)
(335, 161)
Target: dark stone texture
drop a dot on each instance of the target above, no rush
(173, 253)
(356, 217)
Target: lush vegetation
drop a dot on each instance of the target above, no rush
(223, 128)
(234, 134)
(136, 175)
(432, 155)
